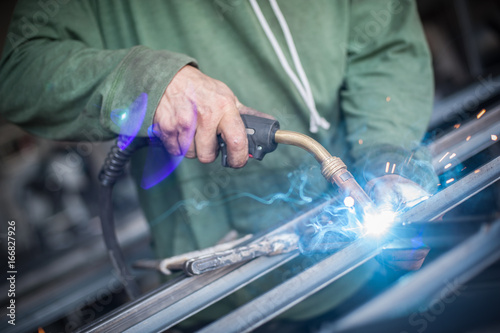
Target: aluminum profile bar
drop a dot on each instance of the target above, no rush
(457, 106)
(189, 289)
(296, 289)
(433, 283)
(162, 298)
(302, 285)
(466, 141)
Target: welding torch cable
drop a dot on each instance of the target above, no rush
(113, 168)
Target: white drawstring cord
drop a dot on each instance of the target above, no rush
(303, 85)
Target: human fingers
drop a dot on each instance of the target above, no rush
(233, 132)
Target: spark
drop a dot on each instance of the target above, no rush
(468, 138)
(442, 158)
(447, 165)
(387, 167)
(450, 180)
(388, 99)
(494, 137)
(360, 141)
(480, 114)
(393, 168)
(477, 171)
(452, 155)
(457, 126)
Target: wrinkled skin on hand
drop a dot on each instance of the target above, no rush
(193, 110)
(398, 193)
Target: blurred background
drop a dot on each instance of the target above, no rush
(50, 189)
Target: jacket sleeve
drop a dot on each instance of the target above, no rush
(388, 91)
(59, 82)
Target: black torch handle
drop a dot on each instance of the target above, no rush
(260, 133)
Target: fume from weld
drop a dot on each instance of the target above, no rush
(301, 191)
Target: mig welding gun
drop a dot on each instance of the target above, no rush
(263, 137)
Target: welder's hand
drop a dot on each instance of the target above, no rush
(194, 109)
(397, 193)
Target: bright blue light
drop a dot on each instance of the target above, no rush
(379, 222)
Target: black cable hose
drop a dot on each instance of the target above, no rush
(113, 168)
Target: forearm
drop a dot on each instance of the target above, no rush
(63, 89)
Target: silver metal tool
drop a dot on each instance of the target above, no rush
(278, 244)
(169, 265)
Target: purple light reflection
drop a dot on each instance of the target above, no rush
(158, 166)
(130, 120)
(159, 163)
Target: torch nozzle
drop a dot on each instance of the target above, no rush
(332, 167)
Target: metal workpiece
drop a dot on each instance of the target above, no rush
(296, 289)
(440, 280)
(455, 194)
(456, 107)
(229, 281)
(189, 295)
(465, 141)
(299, 287)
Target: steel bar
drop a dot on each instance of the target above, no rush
(297, 288)
(466, 141)
(188, 290)
(458, 106)
(210, 294)
(431, 284)
(455, 194)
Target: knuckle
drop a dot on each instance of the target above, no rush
(185, 123)
(206, 157)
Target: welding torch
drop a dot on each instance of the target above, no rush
(263, 137)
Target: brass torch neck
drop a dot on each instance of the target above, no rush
(303, 141)
(332, 168)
